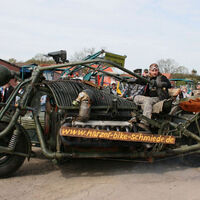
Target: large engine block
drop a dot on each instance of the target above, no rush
(107, 112)
(104, 106)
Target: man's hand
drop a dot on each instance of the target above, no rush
(75, 103)
(129, 98)
(158, 83)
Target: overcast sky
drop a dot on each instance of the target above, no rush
(144, 30)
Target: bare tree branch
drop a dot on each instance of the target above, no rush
(171, 66)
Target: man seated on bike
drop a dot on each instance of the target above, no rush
(155, 91)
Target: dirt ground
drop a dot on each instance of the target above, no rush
(104, 179)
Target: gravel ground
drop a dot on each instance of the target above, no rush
(104, 179)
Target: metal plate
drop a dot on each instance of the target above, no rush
(116, 135)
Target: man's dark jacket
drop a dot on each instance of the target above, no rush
(158, 87)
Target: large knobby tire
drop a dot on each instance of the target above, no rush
(9, 164)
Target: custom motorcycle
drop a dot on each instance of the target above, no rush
(83, 120)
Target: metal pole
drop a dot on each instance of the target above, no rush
(94, 61)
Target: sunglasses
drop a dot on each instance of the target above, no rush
(154, 70)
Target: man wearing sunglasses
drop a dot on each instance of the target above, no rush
(155, 91)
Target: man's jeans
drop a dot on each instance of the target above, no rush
(147, 103)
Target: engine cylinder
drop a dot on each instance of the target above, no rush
(84, 111)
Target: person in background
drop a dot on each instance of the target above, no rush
(197, 91)
(146, 73)
(184, 93)
(198, 86)
(82, 76)
(113, 89)
(6, 92)
(76, 75)
(43, 102)
(155, 91)
(132, 89)
(1, 93)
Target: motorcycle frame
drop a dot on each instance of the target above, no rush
(35, 78)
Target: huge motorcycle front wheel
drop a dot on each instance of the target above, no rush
(10, 163)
